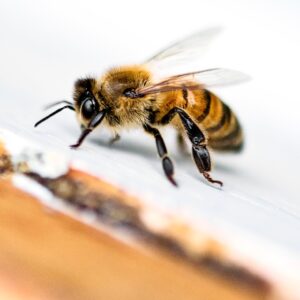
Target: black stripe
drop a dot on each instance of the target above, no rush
(229, 138)
(207, 99)
(231, 147)
(226, 115)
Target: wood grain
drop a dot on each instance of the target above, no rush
(47, 255)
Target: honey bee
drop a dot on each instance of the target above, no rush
(134, 96)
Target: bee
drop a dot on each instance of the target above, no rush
(134, 97)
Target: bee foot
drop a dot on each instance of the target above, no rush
(208, 178)
(75, 146)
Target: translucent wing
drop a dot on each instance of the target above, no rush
(218, 77)
(195, 80)
(187, 49)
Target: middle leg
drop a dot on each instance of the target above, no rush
(181, 143)
(114, 139)
(162, 152)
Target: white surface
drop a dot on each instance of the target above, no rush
(46, 45)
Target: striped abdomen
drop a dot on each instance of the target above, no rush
(222, 127)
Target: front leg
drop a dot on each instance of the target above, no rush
(162, 152)
(85, 131)
(200, 153)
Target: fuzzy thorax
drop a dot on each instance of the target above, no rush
(109, 91)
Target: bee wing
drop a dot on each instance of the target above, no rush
(218, 77)
(186, 49)
(196, 80)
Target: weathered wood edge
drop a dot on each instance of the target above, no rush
(119, 211)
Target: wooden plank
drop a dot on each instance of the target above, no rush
(48, 255)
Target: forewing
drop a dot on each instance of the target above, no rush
(196, 80)
(187, 49)
(220, 77)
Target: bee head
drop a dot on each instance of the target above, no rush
(86, 104)
(116, 93)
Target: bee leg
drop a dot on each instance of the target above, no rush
(203, 163)
(181, 143)
(200, 153)
(162, 152)
(95, 121)
(114, 139)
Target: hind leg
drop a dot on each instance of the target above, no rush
(200, 152)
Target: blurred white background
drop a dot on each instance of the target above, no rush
(46, 45)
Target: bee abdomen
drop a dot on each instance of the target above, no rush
(222, 126)
(207, 96)
(231, 141)
(223, 121)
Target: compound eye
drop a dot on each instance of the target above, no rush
(88, 108)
